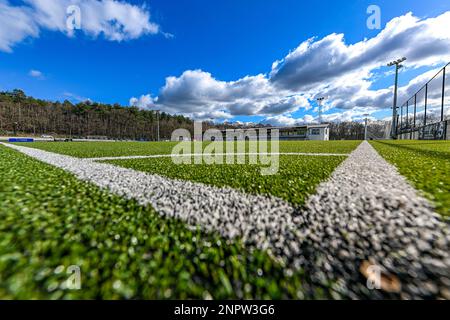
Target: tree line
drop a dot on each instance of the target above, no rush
(21, 114)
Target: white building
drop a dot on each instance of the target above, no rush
(318, 132)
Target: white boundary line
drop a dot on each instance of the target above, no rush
(188, 155)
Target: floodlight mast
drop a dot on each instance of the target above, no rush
(398, 66)
(320, 101)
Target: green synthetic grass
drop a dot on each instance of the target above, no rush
(103, 149)
(425, 163)
(49, 220)
(344, 147)
(113, 149)
(297, 177)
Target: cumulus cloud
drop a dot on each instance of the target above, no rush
(354, 114)
(312, 63)
(359, 94)
(289, 120)
(281, 121)
(330, 67)
(286, 105)
(111, 19)
(197, 92)
(308, 119)
(212, 115)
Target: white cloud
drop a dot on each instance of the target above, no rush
(241, 123)
(198, 92)
(330, 67)
(212, 116)
(308, 119)
(289, 120)
(315, 63)
(286, 105)
(354, 114)
(36, 74)
(111, 19)
(16, 24)
(143, 102)
(281, 121)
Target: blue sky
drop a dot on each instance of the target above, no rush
(228, 40)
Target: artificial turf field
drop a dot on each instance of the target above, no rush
(50, 220)
(117, 149)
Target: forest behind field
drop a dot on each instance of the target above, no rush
(21, 114)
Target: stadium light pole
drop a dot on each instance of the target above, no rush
(398, 66)
(320, 101)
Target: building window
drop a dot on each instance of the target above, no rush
(314, 132)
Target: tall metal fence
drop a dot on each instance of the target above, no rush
(426, 115)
